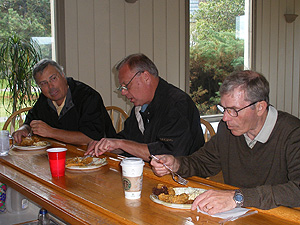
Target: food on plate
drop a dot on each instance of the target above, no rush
(159, 189)
(177, 199)
(167, 194)
(176, 195)
(81, 161)
(32, 141)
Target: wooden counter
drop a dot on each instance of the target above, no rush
(97, 197)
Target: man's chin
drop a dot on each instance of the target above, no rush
(236, 133)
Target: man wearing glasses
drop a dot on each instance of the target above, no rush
(256, 147)
(67, 110)
(164, 119)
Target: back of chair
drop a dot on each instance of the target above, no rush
(209, 130)
(15, 120)
(117, 116)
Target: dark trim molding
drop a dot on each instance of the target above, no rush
(60, 40)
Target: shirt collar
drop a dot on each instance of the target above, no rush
(266, 130)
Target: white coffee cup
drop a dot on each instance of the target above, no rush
(4, 142)
(132, 177)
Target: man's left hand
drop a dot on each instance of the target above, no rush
(40, 128)
(215, 201)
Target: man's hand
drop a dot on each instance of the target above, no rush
(40, 128)
(159, 169)
(100, 147)
(23, 131)
(215, 201)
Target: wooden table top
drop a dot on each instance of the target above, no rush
(97, 196)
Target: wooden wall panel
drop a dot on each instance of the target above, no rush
(173, 41)
(99, 33)
(103, 68)
(160, 36)
(266, 20)
(146, 28)
(274, 30)
(281, 59)
(86, 41)
(71, 27)
(183, 38)
(117, 44)
(277, 52)
(258, 35)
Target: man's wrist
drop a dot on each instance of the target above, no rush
(238, 197)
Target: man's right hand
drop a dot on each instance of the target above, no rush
(23, 131)
(159, 169)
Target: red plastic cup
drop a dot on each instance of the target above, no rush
(57, 161)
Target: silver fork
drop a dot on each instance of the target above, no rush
(176, 177)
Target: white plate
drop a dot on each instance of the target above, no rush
(178, 191)
(97, 163)
(31, 148)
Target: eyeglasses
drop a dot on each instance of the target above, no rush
(125, 86)
(231, 111)
(52, 79)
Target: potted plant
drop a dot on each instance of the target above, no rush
(17, 58)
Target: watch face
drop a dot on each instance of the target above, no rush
(239, 198)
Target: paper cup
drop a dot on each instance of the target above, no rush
(57, 161)
(132, 177)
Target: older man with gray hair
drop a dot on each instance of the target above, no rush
(164, 119)
(67, 110)
(256, 147)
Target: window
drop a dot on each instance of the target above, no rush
(218, 46)
(30, 21)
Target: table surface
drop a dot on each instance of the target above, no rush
(97, 196)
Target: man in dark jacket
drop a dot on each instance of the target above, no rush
(164, 119)
(67, 110)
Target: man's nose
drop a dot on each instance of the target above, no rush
(226, 116)
(124, 92)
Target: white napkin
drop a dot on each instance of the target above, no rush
(231, 214)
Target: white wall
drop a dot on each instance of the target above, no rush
(99, 33)
(278, 52)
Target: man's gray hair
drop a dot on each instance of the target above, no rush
(42, 64)
(138, 62)
(254, 84)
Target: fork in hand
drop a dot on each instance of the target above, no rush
(176, 177)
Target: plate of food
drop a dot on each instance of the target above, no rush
(85, 163)
(175, 197)
(31, 143)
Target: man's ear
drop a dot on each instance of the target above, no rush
(146, 76)
(261, 107)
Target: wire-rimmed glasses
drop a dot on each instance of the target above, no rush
(125, 86)
(52, 79)
(231, 111)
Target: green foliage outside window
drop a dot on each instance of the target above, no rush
(215, 52)
(20, 20)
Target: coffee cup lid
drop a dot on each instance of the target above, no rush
(132, 161)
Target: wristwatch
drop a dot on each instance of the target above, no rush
(238, 198)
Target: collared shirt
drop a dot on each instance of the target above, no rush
(59, 107)
(171, 123)
(266, 130)
(83, 111)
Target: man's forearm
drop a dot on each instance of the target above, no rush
(134, 148)
(72, 137)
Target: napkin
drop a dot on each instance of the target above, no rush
(230, 214)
